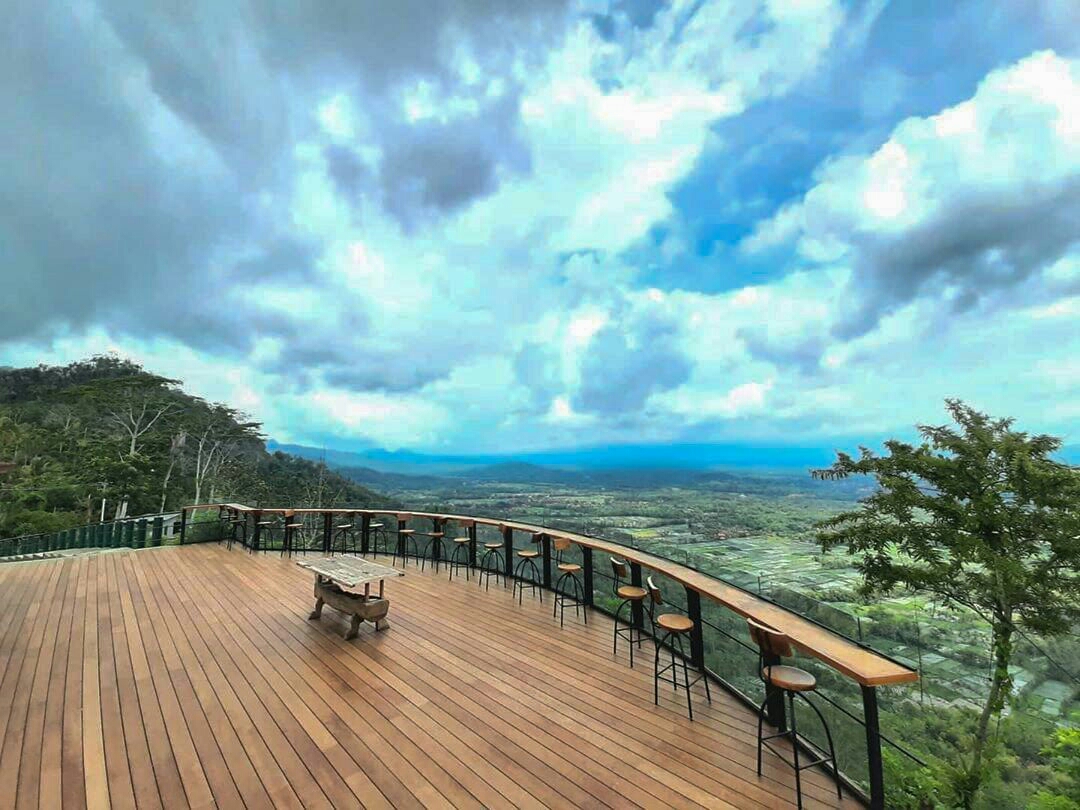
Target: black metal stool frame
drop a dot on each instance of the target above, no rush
(404, 535)
(344, 533)
(776, 645)
(491, 563)
(434, 545)
(461, 547)
(670, 637)
(563, 598)
(619, 569)
(535, 581)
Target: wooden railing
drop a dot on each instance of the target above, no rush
(867, 668)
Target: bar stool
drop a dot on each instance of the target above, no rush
(224, 516)
(433, 545)
(492, 563)
(675, 627)
(461, 556)
(404, 535)
(343, 533)
(375, 532)
(293, 528)
(567, 579)
(630, 595)
(266, 529)
(772, 647)
(527, 565)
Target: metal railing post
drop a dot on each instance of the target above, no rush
(157, 530)
(327, 532)
(183, 524)
(508, 551)
(637, 609)
(472, 544)
(256, 530)
(365, 533)
(873, 748)
(545, 545)
(437, 525)
(587, 574)
(697, 635)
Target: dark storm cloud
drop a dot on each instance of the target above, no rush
(979, 246)
(802, 352)
(626, 363)
(438, 167)
(347, 171)
(146, 147)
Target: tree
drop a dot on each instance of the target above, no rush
(136, 404)
(979, 515)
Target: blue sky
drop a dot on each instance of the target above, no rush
(488, 227)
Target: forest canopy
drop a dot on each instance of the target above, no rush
(104, 430)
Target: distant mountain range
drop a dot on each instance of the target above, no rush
(614, 457)
(739, 468)
(653, 468)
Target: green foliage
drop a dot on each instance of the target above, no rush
(979, 515)
(909, 785)
(103, 428)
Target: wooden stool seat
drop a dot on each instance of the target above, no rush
(344, 526)
(495, 545)
(528, 554)
(793, 678)
(461, 539)
(375, 525)
(436, 534)
(674, 623)
(632, 592)
(569, 568)
(406, 531)
(294, 525)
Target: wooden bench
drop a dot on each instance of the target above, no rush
(335, 577)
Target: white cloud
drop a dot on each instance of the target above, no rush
(982, 195)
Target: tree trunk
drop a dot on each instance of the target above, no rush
(1000, 687)
(165, 484)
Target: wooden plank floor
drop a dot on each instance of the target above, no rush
(190, 677)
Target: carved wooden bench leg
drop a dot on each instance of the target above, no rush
(354, 627)
(317, 612)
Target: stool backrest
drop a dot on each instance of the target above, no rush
(655, 599)
(620, 569)
(654, 593)
(561, 544)
(770, 642)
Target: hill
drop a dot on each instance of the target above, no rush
(104, 434)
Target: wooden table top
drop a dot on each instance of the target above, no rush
(348, 570)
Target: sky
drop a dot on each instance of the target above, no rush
(484, 227)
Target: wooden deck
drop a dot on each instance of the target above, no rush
(190, 677)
